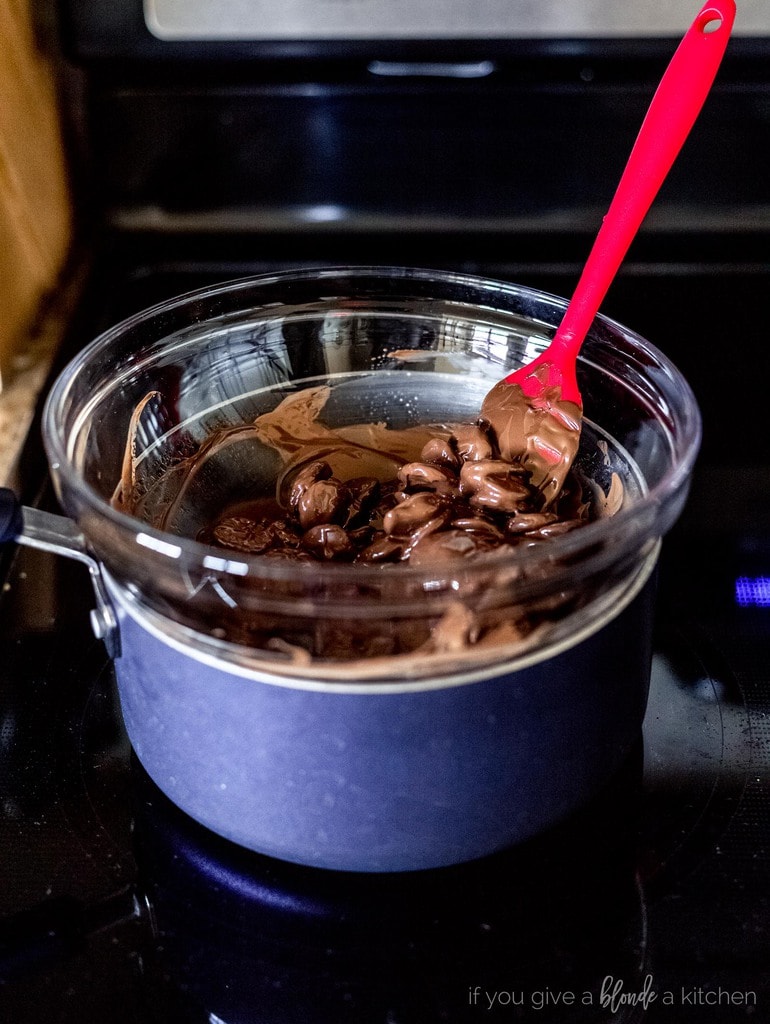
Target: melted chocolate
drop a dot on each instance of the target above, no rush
(366, 493)
(539, 434)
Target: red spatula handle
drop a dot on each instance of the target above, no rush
(672, 113)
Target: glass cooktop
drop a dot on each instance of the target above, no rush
(652, 903)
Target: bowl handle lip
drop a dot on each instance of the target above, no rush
(59, 535)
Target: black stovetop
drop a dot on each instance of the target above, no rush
(651, 904)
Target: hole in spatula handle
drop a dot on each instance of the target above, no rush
(710, 22)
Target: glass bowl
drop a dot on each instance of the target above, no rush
(399, 346)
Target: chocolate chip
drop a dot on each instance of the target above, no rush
(363, 493)
(382, 549)
(319, 503)
(492, 484)
(285, 534)
(472, 443)
(479, 526)
(526, 522)
(440, 452)
(419, 476)
(243, 534)
(327, 541)
(305, 478)
(413, 512)
(556, 529)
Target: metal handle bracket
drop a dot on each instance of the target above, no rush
(59, 535)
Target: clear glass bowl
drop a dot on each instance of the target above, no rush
(398, 345)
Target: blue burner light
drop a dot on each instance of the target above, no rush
(752, 591)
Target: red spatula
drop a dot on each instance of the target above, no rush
(550, 378)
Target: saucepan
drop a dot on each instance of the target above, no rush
(360, 717)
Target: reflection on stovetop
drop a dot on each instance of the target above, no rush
(117, 907)
(556, 916)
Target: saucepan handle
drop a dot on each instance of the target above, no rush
(11, 519)
(59, 535)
